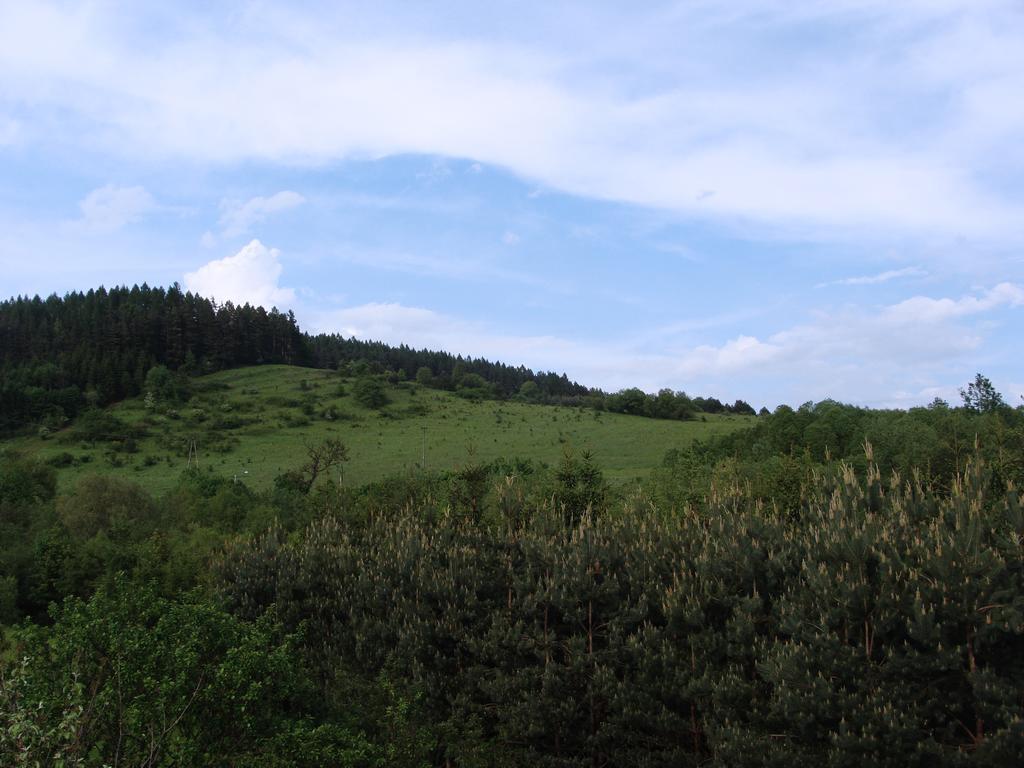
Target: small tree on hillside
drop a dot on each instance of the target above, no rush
(369, 392)
(323, 457)
(163, 386)
(529, 391)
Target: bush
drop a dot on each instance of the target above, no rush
(24, 481)
(295, 420)
(63, 459)
(98, 426)
(107, 505)
(369, 392)
(165, 387)
(425, 376)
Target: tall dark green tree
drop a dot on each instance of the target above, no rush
(980, 395)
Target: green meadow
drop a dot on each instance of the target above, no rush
(254, 423)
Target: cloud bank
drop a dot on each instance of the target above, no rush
(853, 354)
(908, 123)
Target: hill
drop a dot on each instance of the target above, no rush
(62, 355)
(255, 423)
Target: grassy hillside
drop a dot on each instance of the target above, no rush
(254, 423)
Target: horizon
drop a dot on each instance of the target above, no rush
(770, 204)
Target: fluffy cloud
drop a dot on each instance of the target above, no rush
(917, 333)
(924, 310)
(739, 354)
(862, 354)
(237, 218)
(250, 276)
(109, 208)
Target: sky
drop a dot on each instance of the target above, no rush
(754, 199)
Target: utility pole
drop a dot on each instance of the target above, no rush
(423, 452)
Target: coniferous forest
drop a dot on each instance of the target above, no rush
(61, 355)
(830, 585)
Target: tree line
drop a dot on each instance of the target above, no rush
(60, 355)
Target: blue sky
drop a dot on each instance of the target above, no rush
(761, 199)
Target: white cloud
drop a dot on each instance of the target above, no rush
(881, 277)
(918, 332)
(741, 353)
(510, 238)
(922, 309)
(110, 208)
(250, 276)
(889, 356)
(859, 354)
(872, 132)
(237, 217)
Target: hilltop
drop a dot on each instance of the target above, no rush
(63, 355)
(255, 422)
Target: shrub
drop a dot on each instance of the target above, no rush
(369, 392)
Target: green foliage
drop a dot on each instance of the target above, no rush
(104, 505)
(37, 731)
(131, 678)
(632, 401)
(9, 612)
(473, 387)
(755, 607)
(322, 458)
(831, 586)
(251, 419)
(165, 388)
(369, 392)
(666, 404)
(934, 441)
(118, 343)
(468, 489)
(62, 354)
(980, 395)
(580, 488)
(98, 426)
(529, 391)
(24, 482)
(880, 622)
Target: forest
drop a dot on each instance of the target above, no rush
(62, 355)
(824, 585)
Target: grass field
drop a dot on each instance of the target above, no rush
(255, 422)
